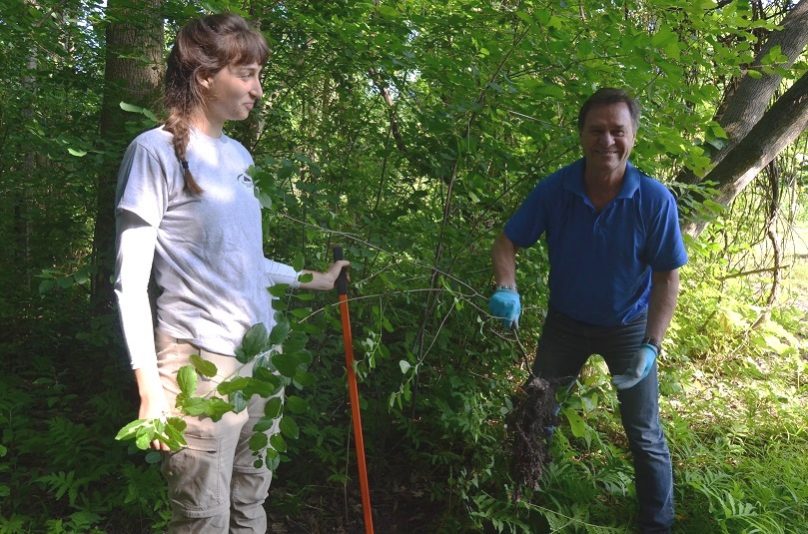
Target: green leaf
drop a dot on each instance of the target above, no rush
(186, 378)
(131, 108)
(173, 430)
(297, 405)
(289, 428)
(192, 405)
(258, 441)
(664, 37)
(273, 407)
(286, 170)
(254, 342)
(129, 430)
(295, 342)
(203, 366)
(264, 369)
(216, 408)
(286, 364)
(264, 424)
(304, 379)
(387, 12)
(273, 461)
(154, 457)
(77, 153)
(577, 424)
(266, 373)
(238, 401)
(278, 290)
(278, 443)
(303, 357)
(263, 199)
(279, 332)
(718, 131)
(263, 388)
(143, 440)
(405, 366)
(298, 262)
(305, 278)
(235, 384)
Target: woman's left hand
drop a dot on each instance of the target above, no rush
(325, 281)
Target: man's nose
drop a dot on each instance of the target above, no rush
(606, 139)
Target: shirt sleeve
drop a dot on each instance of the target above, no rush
(133, 263)
(665, 250)
(142, 185)
(527, 225)
(280, 273)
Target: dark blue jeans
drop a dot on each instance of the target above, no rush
(564, 347)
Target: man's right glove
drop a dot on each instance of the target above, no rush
(505, 305)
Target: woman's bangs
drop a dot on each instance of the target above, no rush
(248, 47)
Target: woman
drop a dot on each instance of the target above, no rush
(186, 210)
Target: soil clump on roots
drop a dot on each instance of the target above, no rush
(534, 411)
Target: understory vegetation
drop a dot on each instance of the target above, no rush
(407, 132)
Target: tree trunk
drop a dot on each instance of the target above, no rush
(133, 74)
(23, 209)
(748, 102)
(778, 128)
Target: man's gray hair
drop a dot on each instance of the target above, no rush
(610, 95)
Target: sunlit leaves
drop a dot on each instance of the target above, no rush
(145, 431)
(187, 380)
(203, 367)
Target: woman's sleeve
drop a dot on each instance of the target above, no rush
(280, 273)
(133, 263)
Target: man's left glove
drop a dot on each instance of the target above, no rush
(641, 365)
(505, 305)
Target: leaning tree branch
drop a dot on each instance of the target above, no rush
(778, 128)
(748, 102)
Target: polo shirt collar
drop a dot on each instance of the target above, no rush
(575, 180)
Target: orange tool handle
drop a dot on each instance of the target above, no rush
(353, 393)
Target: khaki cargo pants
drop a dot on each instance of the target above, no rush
(213, 486)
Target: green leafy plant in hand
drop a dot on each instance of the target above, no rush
(272, 371)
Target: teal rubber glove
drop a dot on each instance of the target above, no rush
(641, 365)
(506, 306)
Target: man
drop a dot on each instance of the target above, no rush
(615, 248)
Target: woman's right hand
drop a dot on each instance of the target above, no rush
(153, 403)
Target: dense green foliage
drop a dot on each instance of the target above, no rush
(407, 132)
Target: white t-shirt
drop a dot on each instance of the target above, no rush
(208, 254)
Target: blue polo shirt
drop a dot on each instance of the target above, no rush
(601, 261)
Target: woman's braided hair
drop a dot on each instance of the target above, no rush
(203, 47)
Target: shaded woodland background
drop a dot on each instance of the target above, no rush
(407, 132)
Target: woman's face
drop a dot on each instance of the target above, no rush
(232, 92)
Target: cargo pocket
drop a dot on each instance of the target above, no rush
(196, 485)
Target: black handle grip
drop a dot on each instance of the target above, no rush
(342, 279)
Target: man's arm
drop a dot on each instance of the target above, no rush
(505, 303)
(664, 292)
(503, 255)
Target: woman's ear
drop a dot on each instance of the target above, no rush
(203, 80)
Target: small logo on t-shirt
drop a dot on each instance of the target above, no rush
(245, 180)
